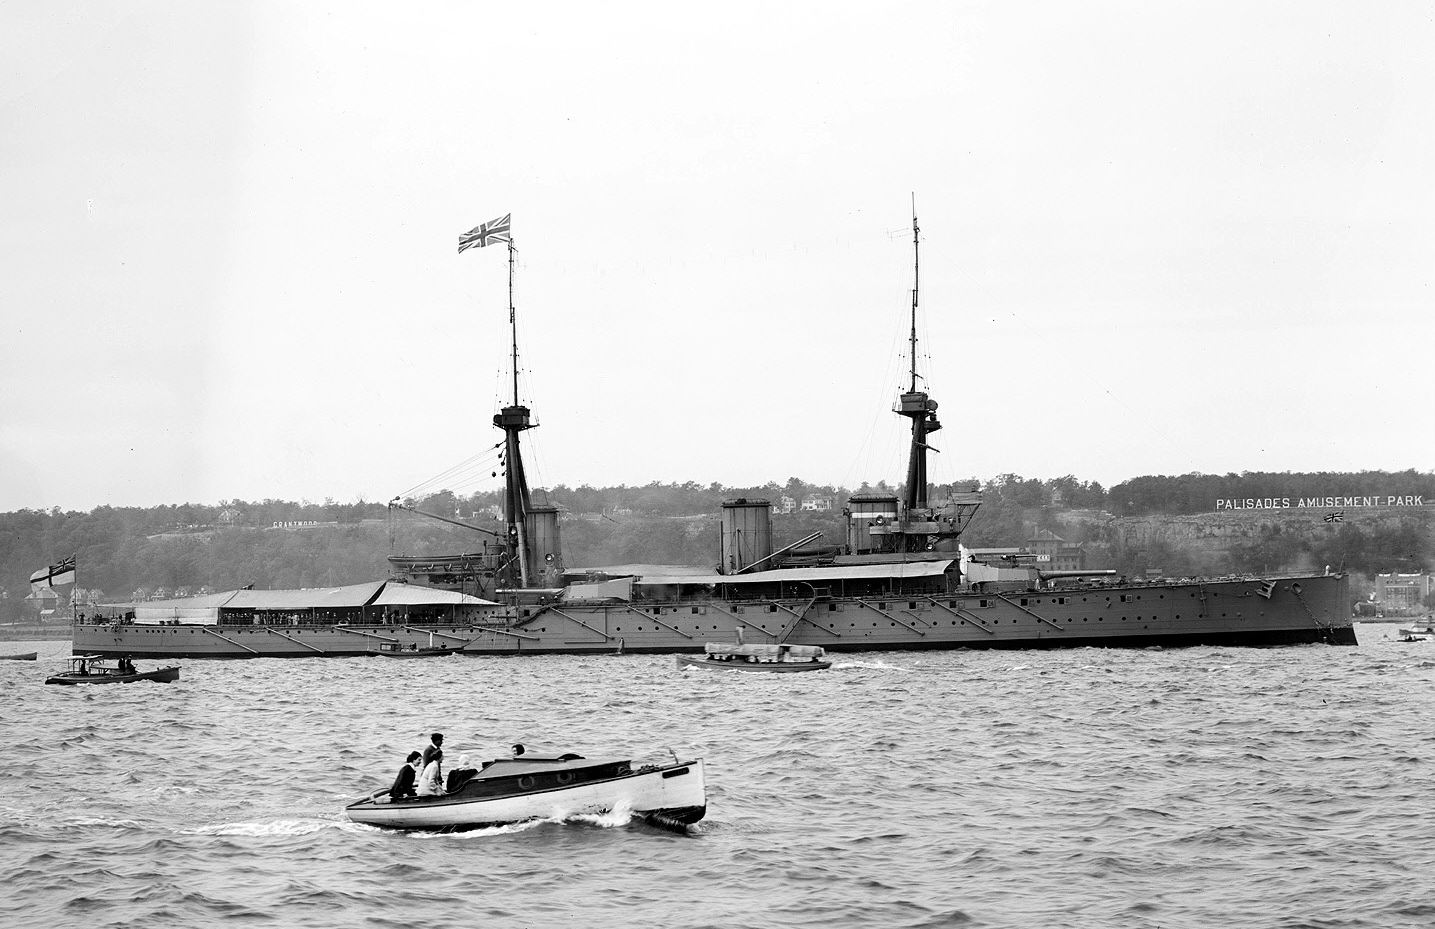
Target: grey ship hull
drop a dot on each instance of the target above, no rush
(1230, 611)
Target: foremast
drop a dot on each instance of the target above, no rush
(514, 420)
(531, 536)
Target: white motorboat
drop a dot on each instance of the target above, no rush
(1422, 630)
(525, 787)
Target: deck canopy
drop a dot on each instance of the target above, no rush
(889, 571)
(375, 601)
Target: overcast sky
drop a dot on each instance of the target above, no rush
(1157, 238)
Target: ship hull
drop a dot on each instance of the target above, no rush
(1234, 612)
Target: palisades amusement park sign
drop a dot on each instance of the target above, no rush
(1322, 503)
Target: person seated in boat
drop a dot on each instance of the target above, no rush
(82, 667)
(460, 775)
(407, 777)
(430, 782)
(127, 666)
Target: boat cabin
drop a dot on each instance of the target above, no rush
(100, 666)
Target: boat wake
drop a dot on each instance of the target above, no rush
(868, 665)
(611, 820)
(278, 827)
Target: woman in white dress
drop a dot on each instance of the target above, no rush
(431, 778)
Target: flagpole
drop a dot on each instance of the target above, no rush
(513, 321)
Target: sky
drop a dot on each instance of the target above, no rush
(1155, 239)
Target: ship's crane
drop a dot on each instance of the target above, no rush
(394, 504)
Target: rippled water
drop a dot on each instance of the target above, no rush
(1105, 788)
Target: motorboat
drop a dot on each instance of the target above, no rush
(22, 656)
(526, 787)
(94, 669)
(780, 659)
(399, 650)
(1422, 630)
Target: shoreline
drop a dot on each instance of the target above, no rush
(33, 632)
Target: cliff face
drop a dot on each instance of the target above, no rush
(1360, 541)
(1221, 530)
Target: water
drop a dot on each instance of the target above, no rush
(1090, 788)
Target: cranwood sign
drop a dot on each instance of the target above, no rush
(1319, 503)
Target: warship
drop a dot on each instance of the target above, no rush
(900, 579)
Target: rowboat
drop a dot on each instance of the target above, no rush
(770, 659)
(525, 787)
(23, 656)
(92, 669)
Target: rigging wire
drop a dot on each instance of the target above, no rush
(467, 472)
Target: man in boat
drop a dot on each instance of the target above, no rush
(404, 782)
(434, 747)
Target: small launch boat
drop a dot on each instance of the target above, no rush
(23, 656)
(782, 659)
(94, 669)
(512, 790)
(397, 650)
(1422, 630)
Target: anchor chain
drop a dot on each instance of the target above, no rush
(1327, 629)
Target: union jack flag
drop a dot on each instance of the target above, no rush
(1337, 517)
(54, 575)
(495, 230)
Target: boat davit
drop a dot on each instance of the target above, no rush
(525, 787)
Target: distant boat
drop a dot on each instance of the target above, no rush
(781, 659)
(1420, 631)
(94, 669)
(512, 790)
(399, 650)
(23, 656)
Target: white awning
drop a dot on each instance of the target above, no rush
(827, 575)
(412, 595)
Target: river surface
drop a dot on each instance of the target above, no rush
(1201, 787)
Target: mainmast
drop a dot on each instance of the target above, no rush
(916, 529)
(914, 404)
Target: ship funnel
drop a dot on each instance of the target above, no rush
(746, 533)
(545, 566)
